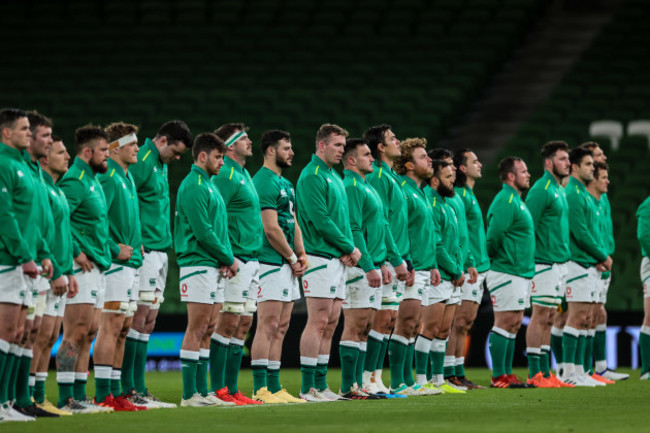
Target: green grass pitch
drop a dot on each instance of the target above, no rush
(616, 408)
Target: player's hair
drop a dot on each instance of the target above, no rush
(207, 142)
(86, 136)
(8, 117)
(56, 138)
(438, 165)
(439, 153)
(598, 166)
(550, 148)
(375, 136)
(118, 130)
(578, 154)
(351, 146)
(325, 130)
(225, 131)
(589, 145)
(407, 147)
(36, 119)
(175, 131)
(272, 137)
(507, 165)
(460, 158)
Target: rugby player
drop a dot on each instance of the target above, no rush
(204, 256)
(282, 261)
(150, 175)
(89, 225)
(324, 219)
(510, 242)
(385, 148)
(588, 258)
(643, 234)
(468, 170)
(548, 206)
(414, 167)
(18, 252)
(246, 233)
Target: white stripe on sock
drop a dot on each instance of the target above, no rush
(204, 353)
(501, 332)
(260, 362)
(400, 339)
(571, 331)
(422, 344)
(274, 365)
(344, 343)
(311, 362)
(190, 354)
(323, 359)
(220, 339)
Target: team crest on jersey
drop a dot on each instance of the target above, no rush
(242, 182)
(329, 180)
(20, 173)
(123, 186)
(522, 207)
(415, 195)
(4, 189)
(283, 193)
(210, 189)
(92, 189)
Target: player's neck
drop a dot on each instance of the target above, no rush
(355, 170)
(470, 183)
(273, 167)
(387, 161)
(593, 191)
(577, 177)
(238, 159)
(53, 175)
(411, 175)
(121, 163)
(513, 186)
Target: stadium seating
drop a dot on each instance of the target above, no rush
(609, 82)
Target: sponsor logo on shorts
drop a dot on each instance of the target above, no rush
(184, 290)
(372, 299)
(520, 301)
(569, 292)
(420, 292)
(333, 290)
(152, 282)
(128, 293)
(305, 285)
(494, 301)
(93, 293)
(474, 292)
(532, 287)
(22, 294)
(213, 295)
(285, 292)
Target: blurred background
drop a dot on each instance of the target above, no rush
(498, 76)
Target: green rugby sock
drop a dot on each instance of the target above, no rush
(545, 361)
(140, 364)
(80, 381)
(259, 368)
(498, 344)
(23, 399)
(408, 364)
(360, 363)
(600, 344)
(397, 348)
(534, 361)
(308, 372)
(510, 354)
(102, 382)
(349, 354)
(273, 377)
(202, 372)
(189, 364)
(128, 362)
(374, 348)
(233, 364)
(219, 346)
(556, 343)
(39, 387)
(570, 338)
(459, 365)
(644, 344)
(320, 374)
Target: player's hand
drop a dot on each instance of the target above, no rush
(473, 275)
(126, 251)
(47, 268)
(606, 265)
(346, 259)
(73, 286)
(386, 277)
(435, 277)
(459, 282)
(232, 269)
(142, 250)
(59, 286)
(374, 278)
(401, 272)
(411, 278)
(298, 269)
(30, 269)
(83, 261)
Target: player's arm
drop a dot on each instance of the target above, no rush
(443, 257)
(643, 226)
(274, 233)
(499, 221)
(355, 210)
(10, 233)
(74, 192)
(314, 206)
(141, 173)
(195, 203)
(109, 193)
(536, 204)
(582, 233)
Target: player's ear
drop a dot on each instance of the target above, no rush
(409, 165)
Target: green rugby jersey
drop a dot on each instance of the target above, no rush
(243, 204)
(18, 216)
(323, 213)
(152, 185)
(421, 226)
(277, 193)
(608, 224)
(387, 184)
(605, 221)
(548, 205)
(370, 229)
(475, 228)
(458, 206)
(44, 218)
(88, 214)
(584, 225)
(62, 245)
(201, 223)
(643, 227)
(449, 254)
(123, 212)
(510, 235)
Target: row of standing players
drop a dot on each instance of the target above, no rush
(368, 253)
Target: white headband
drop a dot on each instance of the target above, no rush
(236, 136)
(123, 141)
